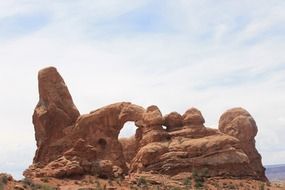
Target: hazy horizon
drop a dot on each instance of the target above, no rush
(174, 54)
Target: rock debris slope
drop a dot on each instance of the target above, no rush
(70, 144)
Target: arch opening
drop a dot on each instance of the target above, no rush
(128, 141)
(128, 130)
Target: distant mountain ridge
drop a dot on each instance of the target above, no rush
(275, 172)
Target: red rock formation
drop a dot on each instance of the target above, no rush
(173, 121)
(193, 117)
(54, 113)
(70, 145)
(130, 147)
(237, 122)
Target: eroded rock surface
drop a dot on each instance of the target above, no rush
(54, 113)
(70, 144)
(237, 122)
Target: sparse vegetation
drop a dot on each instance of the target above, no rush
(4, 179)
(3, 182)
(97, 186)
(119, 181)
(187, 182)
(1, 186)
(46, 187)
(142, 182)
(261, 186)
(216, 185)
(29, 183)
(175, 188)
(231, 186)
(199, 177)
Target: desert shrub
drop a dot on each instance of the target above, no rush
(199, 178)
(142, 182)
(187, 182)
(199, 184)
(175, 188)
(42, 187)
(3, 182)
(231, 186)
(261, 186)
(204, 172)
(119, 181)
(216, 185)
(98, 185)
(27, 182)
(46, 187)
(4, 179)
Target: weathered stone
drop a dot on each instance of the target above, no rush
(71, 145)
(237, 122)
(193, 117)
(173, 121)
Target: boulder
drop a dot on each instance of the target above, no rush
(193, 117)
(237, 122)
(173, 121)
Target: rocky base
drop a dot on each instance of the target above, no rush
(183, 181)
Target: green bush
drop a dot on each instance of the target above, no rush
(142, 182)
(231, 186)
(4, 179)
(27, 182)
(3, 182)
(262, 186)
(198, 177)
(199, 184)
(46, 187)
(187, 182)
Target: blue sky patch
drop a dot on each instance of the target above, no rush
(143, 20)
(22, 24)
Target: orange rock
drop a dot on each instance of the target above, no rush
(54, 112)
(237, 122)
(70, 145)
(173, 121)
(193, 117)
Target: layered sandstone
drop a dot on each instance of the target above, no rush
(70, 144)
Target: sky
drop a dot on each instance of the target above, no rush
(213, 55)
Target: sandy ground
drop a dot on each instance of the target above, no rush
(138, 182)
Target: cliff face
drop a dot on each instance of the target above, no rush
(70, 144)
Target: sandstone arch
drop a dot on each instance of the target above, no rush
(69, 144)
(60, 130)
